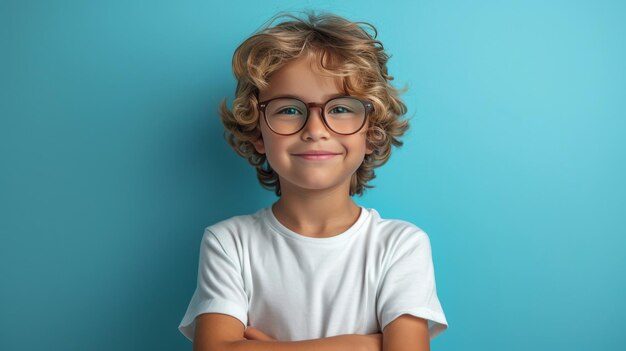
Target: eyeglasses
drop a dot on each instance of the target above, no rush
(343, 115)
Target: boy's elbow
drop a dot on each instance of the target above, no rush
(217, 332)
(215, 346)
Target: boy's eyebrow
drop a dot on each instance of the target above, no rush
(326, 97)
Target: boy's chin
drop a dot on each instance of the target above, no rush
(314, 185)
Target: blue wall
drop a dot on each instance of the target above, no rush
(113, 162)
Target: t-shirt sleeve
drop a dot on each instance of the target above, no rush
(219, 289)
(408, 285)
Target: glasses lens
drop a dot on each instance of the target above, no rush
(345, 115)
(285, 116)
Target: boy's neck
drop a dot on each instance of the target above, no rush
(318, 215)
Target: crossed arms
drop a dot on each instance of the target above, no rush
(222, 332)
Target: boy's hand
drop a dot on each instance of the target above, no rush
(252, 333)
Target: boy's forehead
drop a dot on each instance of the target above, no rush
(304, 79)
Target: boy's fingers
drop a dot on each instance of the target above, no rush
(253, 333)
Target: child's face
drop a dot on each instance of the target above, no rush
(296, 172)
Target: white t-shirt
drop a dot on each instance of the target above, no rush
(294, 287)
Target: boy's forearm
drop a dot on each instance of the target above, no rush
(347, 342)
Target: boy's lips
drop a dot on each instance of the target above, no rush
(317, 155)
(316, 152)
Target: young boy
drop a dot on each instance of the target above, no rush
(315, 113)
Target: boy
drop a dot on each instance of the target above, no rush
(315, 113)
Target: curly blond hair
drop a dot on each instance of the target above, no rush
(343, 49)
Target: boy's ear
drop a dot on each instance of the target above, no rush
(259, 145)
(368, 149)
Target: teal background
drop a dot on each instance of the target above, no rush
(113, 162)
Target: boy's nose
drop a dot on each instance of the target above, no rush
(315, 127)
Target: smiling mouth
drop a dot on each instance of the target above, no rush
(314, 157)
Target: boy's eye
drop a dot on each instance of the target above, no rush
(289, 111)
(340, 109)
